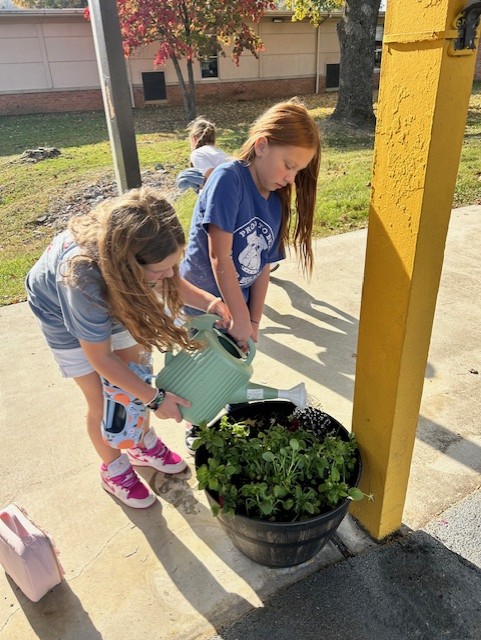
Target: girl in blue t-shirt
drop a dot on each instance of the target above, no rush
(105, 292)
(245, 215)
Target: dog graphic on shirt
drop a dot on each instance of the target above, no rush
(250, 257)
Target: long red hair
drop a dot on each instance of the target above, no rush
(290, 124)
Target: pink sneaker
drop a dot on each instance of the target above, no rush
(160, 457)
(127, 487)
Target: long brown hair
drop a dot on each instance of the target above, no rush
(118, 237)
(289, 124)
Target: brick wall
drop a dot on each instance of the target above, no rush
(243, 91)
(49, 102)
(238, 91)
(91, 99)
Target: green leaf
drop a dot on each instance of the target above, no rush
(334, 475)
(355, 494)
(279, 491)
(294, 444)
(266, 507)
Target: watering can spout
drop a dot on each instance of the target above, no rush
(297, 395)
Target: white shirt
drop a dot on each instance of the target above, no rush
(207, 157)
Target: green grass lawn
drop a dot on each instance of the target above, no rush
(29, 191)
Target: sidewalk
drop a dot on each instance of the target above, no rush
(169, 572)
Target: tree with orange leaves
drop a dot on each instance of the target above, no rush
(191, 30)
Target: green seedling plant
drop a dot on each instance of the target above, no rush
(278, 469)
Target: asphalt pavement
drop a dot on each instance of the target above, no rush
(422, 584)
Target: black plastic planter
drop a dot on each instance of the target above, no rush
(279, 544)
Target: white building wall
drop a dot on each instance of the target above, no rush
(37, 55)
(52, 52)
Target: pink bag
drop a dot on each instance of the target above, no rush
(27, 553)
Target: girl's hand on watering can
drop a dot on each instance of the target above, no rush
(170, 407)
(241, 334)
(219, 307)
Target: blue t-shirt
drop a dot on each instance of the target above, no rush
(67, 313)
(231, 201)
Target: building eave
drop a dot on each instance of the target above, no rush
(35, 13)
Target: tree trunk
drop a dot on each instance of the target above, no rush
(188, 92)
(192, 112)
(357, 39)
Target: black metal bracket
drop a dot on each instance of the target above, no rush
(466, 23)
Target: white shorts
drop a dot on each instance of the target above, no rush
(73, 363)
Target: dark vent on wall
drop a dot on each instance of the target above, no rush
(332, 76)
(153, 83)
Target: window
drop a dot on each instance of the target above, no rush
(378, 51)
(153, 83)
(208, 67)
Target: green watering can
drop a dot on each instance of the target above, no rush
(217, 375)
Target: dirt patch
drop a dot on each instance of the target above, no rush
(83, 201)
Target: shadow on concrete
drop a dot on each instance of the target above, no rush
(449, 443)
(409, 589)
(185, 568)
(335, 333)
(332, 330)
(59, 614)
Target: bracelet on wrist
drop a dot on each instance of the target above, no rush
(150, 401)
(157, 400)
(212, 304)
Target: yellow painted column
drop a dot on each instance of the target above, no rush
(423, 102)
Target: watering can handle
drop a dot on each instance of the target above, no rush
(203, 322)
(207, 321)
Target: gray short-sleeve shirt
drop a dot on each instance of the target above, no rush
(68, 313)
